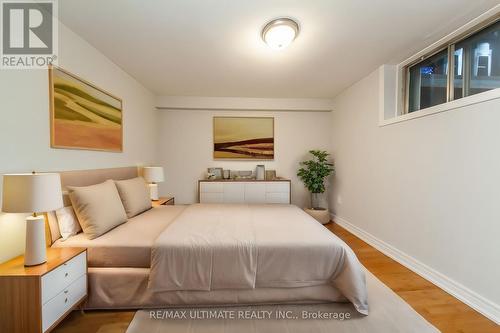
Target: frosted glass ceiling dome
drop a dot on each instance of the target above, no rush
(280, 32)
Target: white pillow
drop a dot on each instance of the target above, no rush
(135, 195)
(67, 222)
(97, 207)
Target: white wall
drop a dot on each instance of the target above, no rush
(186, 146)
(429, 187)
(25, 133)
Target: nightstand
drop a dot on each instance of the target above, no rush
(37, 298)
(163, 201)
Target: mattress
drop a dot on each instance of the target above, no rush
(129, 244)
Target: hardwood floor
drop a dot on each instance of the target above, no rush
(96, 322)
(439, 308)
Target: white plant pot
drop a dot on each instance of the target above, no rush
(321, 215)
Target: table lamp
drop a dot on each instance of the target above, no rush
(32, 193)
(153, 175)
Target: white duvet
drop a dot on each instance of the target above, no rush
(211, 247)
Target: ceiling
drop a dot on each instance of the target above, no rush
(213, 47)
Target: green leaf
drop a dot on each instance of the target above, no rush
(313, 172)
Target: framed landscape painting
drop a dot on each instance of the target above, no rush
(244, 138)
(83, 116)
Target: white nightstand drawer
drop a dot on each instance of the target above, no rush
(62, 302)
(61, 277)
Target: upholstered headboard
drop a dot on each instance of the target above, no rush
(83, 178)
(92, 177)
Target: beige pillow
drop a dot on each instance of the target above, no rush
(97, 207)
(135, 195)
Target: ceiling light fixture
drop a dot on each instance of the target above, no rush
(280, 32)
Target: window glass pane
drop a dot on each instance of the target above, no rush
(428, 82)
(482, 60)
(458, 73)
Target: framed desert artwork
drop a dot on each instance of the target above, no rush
(244, 138)
(83, 116)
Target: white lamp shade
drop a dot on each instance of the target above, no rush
(31, 193)
(153, 174)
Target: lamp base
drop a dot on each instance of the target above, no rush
(153, 191)
(36, 249)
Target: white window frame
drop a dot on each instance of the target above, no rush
(394, 79)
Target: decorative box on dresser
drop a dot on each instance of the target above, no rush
(36, 298)
(245, 191)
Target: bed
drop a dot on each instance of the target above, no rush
(213, 254)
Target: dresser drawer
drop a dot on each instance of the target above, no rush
(234, 192)
(206, 187)
(278, 198)
(58, 279)
(63, 301)
(255, 193)
(278, 187)
(208, 197)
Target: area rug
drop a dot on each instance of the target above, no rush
(388, 313)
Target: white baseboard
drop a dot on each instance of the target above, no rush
(464, 294)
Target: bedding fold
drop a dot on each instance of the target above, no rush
(213, 247)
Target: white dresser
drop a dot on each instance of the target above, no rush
(247, 191)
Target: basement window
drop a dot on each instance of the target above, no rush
(474, 63)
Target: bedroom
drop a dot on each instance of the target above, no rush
(414, 193)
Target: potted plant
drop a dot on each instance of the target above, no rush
(313, 173)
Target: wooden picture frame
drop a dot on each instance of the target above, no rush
(82, 115)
